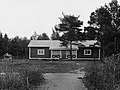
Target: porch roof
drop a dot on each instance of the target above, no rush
(57, 46)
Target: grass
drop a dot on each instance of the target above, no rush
(18, 76)
(53, 66)
(48, 66)
(56, 66)
(22, 67)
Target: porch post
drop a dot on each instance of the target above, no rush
(51, 54)
(99, 53)
(60, 54)
(66, 53)
(29, 52)
(76, 54)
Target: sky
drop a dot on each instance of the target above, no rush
(23, 17)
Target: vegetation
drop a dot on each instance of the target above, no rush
(55, 35)
(15, 46)
(104, 76)
(70, 28)
(19, 78)
(43, 36)
(105, 27)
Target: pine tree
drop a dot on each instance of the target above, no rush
(70, 29)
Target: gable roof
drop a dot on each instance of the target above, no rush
(53, 44)
(87, 43)
(39, 43)
(56, 44)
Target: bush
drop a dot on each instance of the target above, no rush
(20, 78)
(11, 81)
(105, 76)
(97, 79)
(35, 78)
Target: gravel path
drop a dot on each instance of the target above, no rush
(63, 81)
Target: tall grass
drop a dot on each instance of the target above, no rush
(19, 78)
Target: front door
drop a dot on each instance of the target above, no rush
(63, 54)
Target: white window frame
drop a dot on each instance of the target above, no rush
(87, 50)
(55, 52)
(40, 52)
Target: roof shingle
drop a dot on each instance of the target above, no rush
(56, 44)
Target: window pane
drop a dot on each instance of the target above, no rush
(55, 52)
(87, 52)
(40, 51)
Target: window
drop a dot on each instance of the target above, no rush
(73, 52)
(87, 52)
(55, 52)
(40, 52)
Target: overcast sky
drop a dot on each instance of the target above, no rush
(24, 17)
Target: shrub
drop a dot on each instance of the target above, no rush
(11, 81)
(35, 78)
(20, 78)
(105, 76)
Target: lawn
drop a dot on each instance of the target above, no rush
(19, 70)
(48, 66)
(57, 66)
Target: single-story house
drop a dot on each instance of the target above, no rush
(52, 49)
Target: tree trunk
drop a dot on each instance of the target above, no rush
(115, 44)
(71, 50)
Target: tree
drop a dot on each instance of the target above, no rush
(45, 36)
(105, 21)
(70, 29)
(23, 42)
(39, 37)
(1, 41)
(55, 35)
(34, 36)
(105, 26)
(5, 43)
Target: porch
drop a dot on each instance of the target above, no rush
(63, 54)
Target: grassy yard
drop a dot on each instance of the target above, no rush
(18, 71)
(48, 66)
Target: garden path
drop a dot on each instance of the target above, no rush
(63, 81)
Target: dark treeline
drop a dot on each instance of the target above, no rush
(104, 26)
(16, 46)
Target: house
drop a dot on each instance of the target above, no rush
(52, 49)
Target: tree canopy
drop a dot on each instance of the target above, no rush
(55, 35)
(104, 25)
(16, 46)
(70, 29)
(43, 36)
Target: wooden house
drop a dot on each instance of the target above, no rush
(52, 49)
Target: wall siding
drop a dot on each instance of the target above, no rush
(80, 52)
(94, 52)
(34, 52)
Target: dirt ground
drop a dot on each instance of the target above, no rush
(62, 75)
